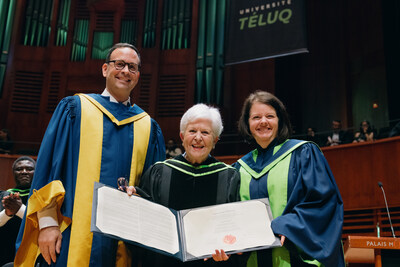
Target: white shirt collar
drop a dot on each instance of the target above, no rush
(112, 99)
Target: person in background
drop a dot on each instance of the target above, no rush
(395, 130)
(305, 201)
(366, 133)
(312, 136)
(6, 144)
(90, 138)
(172, 150)
(338, 136)
(193, 179)
(12, 206)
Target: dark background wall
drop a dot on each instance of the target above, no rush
(352, 63)
(344, 73)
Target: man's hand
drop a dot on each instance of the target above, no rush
(49, 241)
(12, 203)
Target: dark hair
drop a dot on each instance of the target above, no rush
(369, 129)
(285, 128)
(23, 158)
(7, 132)
(312, 129)
(121, 45)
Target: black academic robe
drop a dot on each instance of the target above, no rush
(177, 184)
(9, 232)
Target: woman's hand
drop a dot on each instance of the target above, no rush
(282, 239)
(219, 255)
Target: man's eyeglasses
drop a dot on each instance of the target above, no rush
(120, 64)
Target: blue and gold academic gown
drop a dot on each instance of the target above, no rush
(88, 139)
(305, 203)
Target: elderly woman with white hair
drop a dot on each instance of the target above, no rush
(192, 179)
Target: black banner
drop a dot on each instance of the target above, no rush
(260, 29)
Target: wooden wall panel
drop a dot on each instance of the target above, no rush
(358, 167)
(175, 84)
(161, 68)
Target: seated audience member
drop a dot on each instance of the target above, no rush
(192, 179)
(12, 207)
(312, 136)
(366, 133)
(5, 142)
(338, 136)
(172, 150)
(395, 131)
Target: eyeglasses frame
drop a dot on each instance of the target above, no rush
(125, 63)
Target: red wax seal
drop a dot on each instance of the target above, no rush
(229, 239)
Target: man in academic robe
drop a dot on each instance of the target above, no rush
(90, 138)
(12, 206)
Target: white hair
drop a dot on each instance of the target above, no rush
(202, 111)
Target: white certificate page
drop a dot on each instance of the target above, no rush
(136, 219)
(232, 226)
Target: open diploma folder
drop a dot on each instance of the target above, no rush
(187, 234)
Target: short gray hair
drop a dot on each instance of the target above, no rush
(202, 111)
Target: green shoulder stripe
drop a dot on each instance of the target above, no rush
(22, 192)
(256, 175)
(197, 171)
